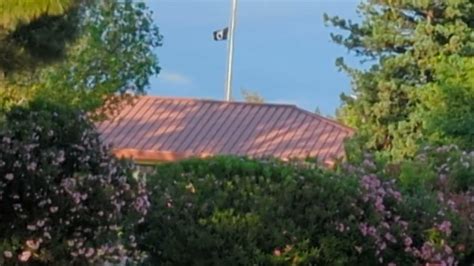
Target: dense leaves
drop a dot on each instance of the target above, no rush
(113, 53)
(64, 199)
(239, 211)
(410, 46)
(35, 32)
(14, 12)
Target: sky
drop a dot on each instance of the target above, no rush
(283, 50)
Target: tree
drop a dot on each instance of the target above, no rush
(35, 32)
(317, 110)
(448, 104)
(14, 12)
(252, 97)
(114, 53)
(405, 41)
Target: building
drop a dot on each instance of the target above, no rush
(156, 129)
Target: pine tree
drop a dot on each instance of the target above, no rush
(405, 43)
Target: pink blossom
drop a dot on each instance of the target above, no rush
(379, 204)
(426, 251)
(445, 227)
(89, 253)
(408, 241)
(363, 228)
(390, 237)
(24, 256)
(277, 252)
(32, 244)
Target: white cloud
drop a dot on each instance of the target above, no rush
(174, 78)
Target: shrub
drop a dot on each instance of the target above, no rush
(239, 211)
(64, 200)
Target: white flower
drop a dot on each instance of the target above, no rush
(31, 227)
(9, 176)
(7, 254)
(31, 166)
(47, 235)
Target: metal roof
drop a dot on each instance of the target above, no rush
(166, 129)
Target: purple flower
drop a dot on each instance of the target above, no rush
(363, 229)
(390, 237)
(407, 241)
(445, 227)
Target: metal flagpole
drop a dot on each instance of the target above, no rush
(230, 52)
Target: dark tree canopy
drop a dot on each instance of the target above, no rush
(112, 52)
(35, 32)
(411, 45)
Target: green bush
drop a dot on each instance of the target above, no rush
(244, 212)
(239, 211)
(63, 199)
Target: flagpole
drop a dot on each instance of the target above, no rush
(230, 52)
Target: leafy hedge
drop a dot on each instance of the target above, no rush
(63, 199)
(238, 211)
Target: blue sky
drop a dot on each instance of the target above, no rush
(282, 50)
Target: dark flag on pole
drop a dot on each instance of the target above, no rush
(221, 35)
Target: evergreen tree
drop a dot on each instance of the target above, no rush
(407, 42)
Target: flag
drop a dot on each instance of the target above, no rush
(221, 35)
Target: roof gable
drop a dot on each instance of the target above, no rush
(158, 128)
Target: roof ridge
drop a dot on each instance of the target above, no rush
(215, 101)
(327, 119)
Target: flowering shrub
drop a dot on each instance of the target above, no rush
(410, 226)
(240, 211)
(63, 199)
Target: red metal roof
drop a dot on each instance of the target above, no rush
(165, 129)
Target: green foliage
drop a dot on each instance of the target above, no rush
(447, 107)
(112, 54)
(64, 199)
(252, 96)
(404, 41)
(244, 212)
(14, 12)
(93, 69)
(33, 33)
